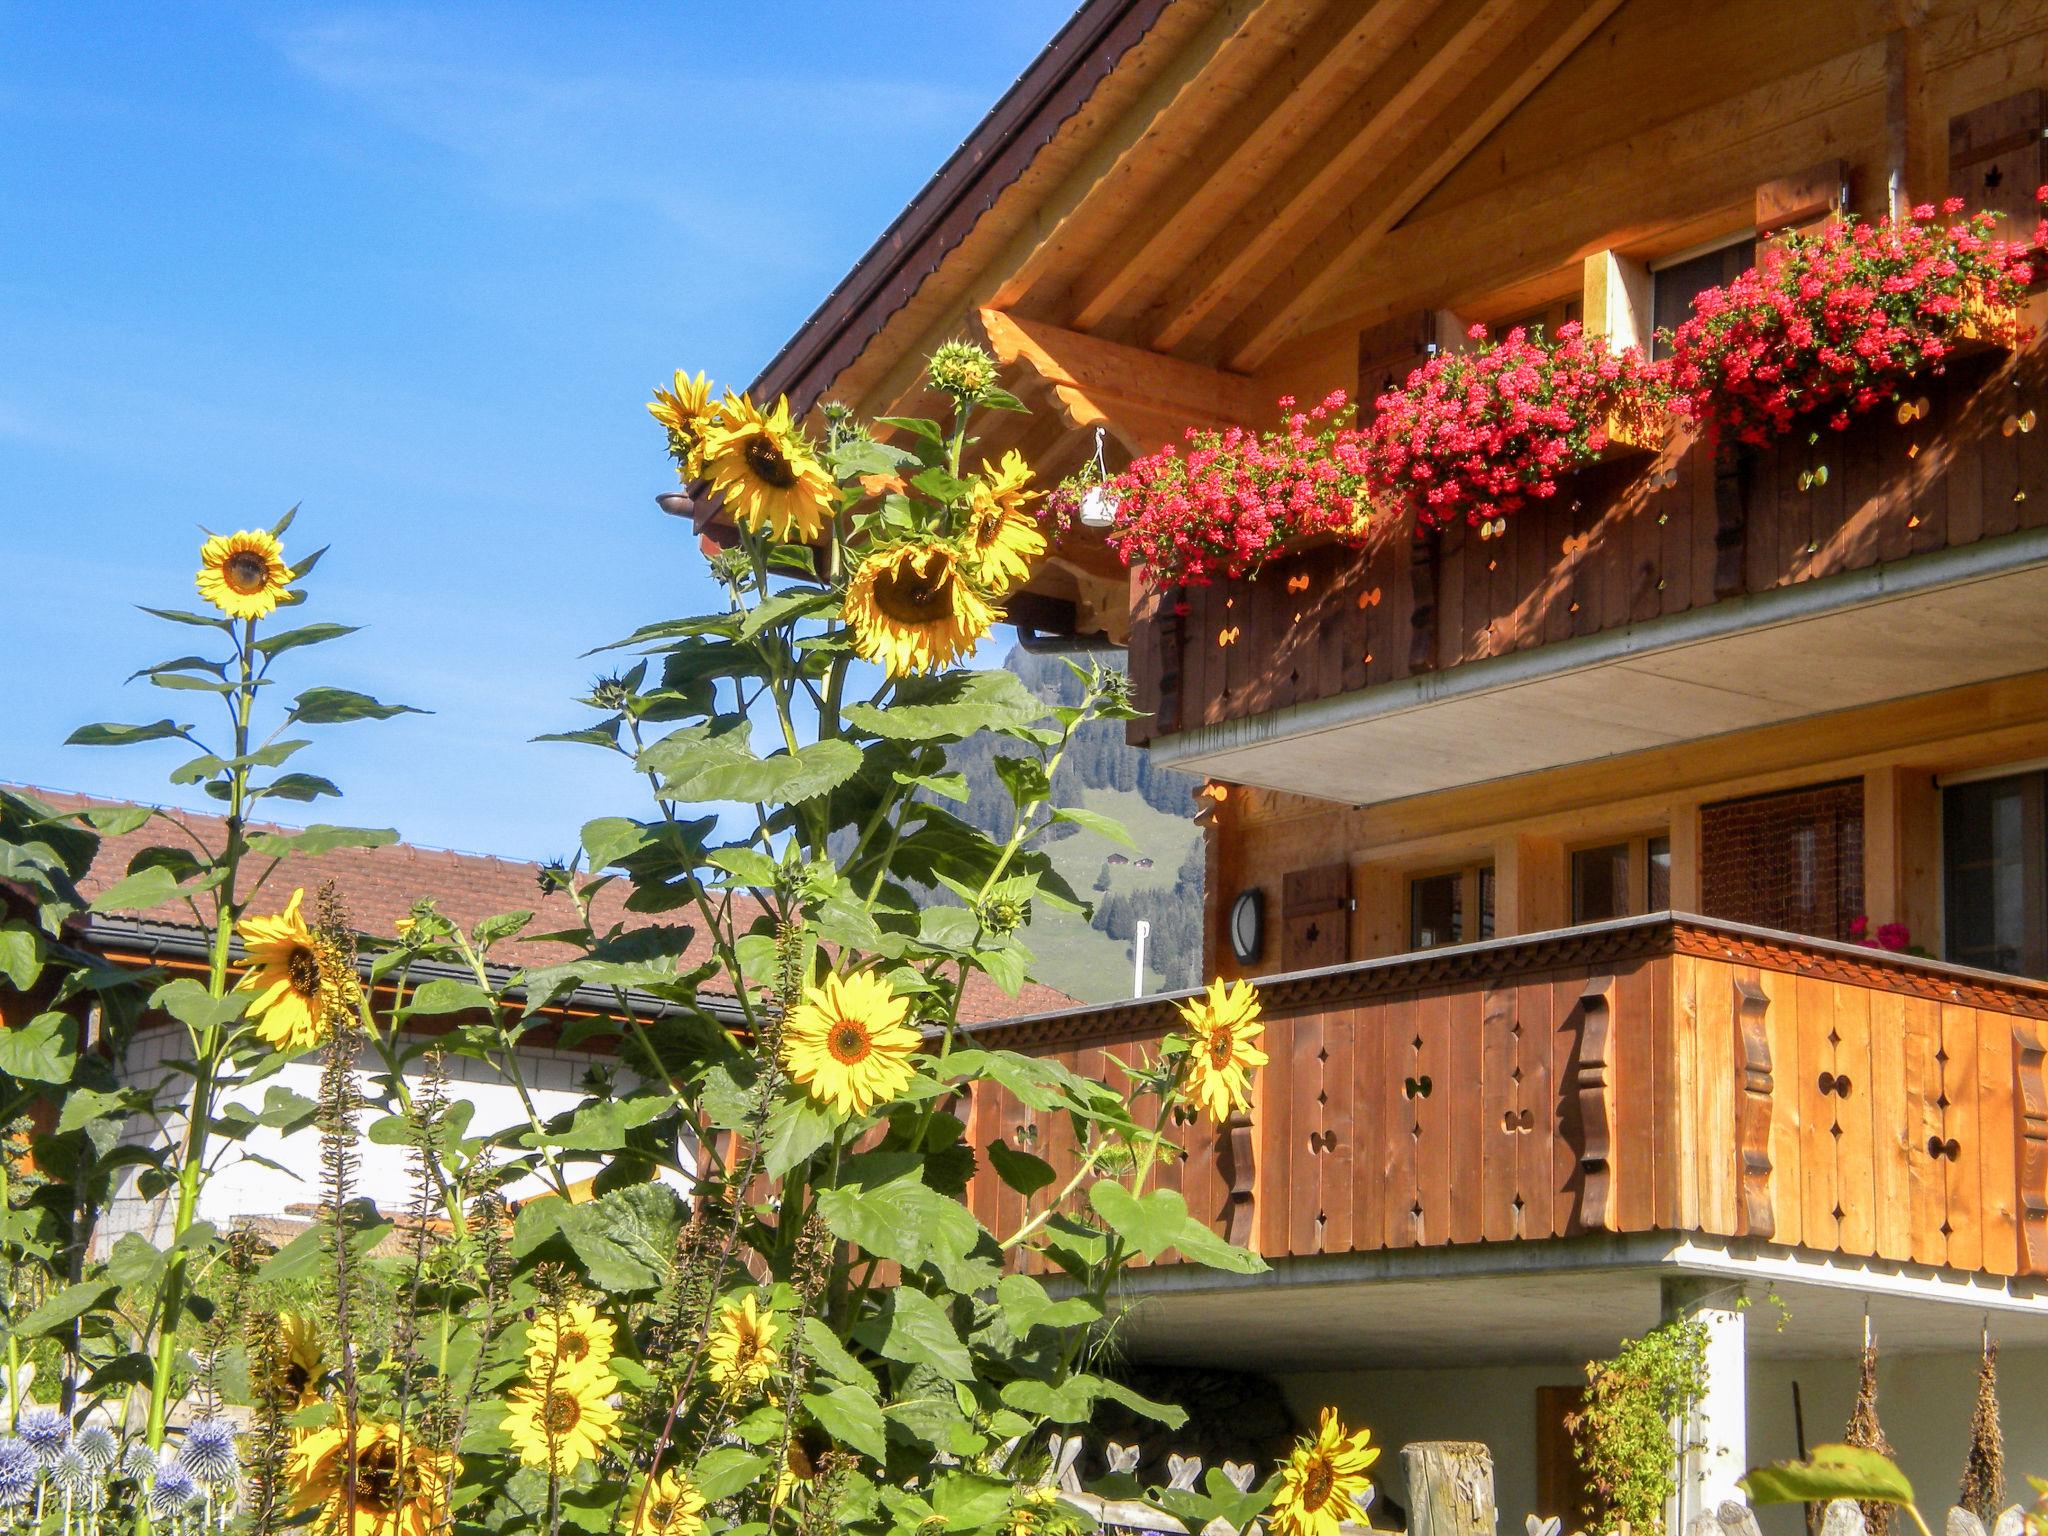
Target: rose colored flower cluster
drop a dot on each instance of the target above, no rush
(1478, 434)
(1831, 322)
(1220, 503)
(1891, 936)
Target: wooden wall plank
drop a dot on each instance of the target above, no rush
(1714, 1093)
(1891, 1129)
(1372, 1127)
(1461, 1095)
(1963, 1163)
(1781, 1025)
(1432, 1106)
(1818, 1221)
(1535, 1148)
(1565, 1178)
(1685, 981)
(1340, 1154)
(1273, 1173)
(1928, 1195)
(1303, 1136)
(1500, 1112)
(1635, 1100)
(1998, 1120)
(1404, 1062)
(1855, 1183)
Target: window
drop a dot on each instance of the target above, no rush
(1622, 879)
(1676, 284)
(1791, 860)
(1438, 904)
(1995, 874)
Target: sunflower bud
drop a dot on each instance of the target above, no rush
(963, 370)
(1001, 915)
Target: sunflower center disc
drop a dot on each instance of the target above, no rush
(1219, 1049)
(245, 572)
(378, 1483)
(849, 1042)
(561, 1413)
(910, 598)
(768, 464)
(1315, 1487)
(304, 969)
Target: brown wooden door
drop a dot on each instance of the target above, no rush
(1315, 917)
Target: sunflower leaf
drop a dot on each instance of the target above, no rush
(853, 1418)
(197, 620)
(320, 838)
(1096, 822)
(305, 634)
(1157, 1221)
(1831, 1472)
(696, 764)
(21, 955)
(332, 706)
(950, 706)
(44, 1050)
(110, 735)
(912, 1328)
(182, 664)
(785, 607)
(296, 786)
(150, 886)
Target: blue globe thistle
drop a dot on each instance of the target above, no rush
(19, 1467)
(97, 1445)
(74, 1479)
(138, 1462)
(209, 1453)
(170, 1490)
(46, 1430)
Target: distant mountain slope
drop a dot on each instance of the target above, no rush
(1160, 882)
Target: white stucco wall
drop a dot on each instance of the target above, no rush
(241, 1186)
(1924, 1402)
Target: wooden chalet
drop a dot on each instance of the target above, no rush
(1552, 850)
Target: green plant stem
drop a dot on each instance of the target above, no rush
(509, 1049)
(206, 1054)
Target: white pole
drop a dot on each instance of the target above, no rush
(1138, 957)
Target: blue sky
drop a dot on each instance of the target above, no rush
(416, 269)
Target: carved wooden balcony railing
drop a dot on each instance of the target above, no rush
(1665, 1073)
(1621, 543)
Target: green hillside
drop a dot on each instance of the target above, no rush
(1159, 882)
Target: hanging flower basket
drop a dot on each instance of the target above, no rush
(1831, 322)
(1476, 436)
(1224, 502)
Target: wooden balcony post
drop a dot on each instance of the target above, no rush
(1593, 1082)
(2028, 1056)
(1753, 1113)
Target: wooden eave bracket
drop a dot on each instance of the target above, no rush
(1144, 399)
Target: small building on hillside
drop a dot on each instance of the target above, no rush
(1552, 845)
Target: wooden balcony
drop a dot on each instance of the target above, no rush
(1666, 567)
(1667, 1073)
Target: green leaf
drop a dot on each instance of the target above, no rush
(188, 1001)
(696, 765)
(796, 1128)
(198, 620)
(321, 838)
(445, 994)
(882, 1204)
(116, 820)
(785, 607)
(1022, 1171)
(302, 786)
(950, 706)
(609, 839)
(1155, 1222)
(950, 786)
(1096, 822)
(1832, 1472)
(83, 1106)
(833, 1357)
(599, 1125)
(21, 955)
(969, 1500)
(912, 1328)
(724, 1470)
(1025, 1306)
(72, 1302)
(626, 1238)
(851, 1417)
(305, 1256)
(106, 735)
(333, 706)
(44, 1050)
(305, 634)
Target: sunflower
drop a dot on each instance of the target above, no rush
(1224, 1026)
(802, 1462)
(1324, 1480)
(401, 1486)
(669, 1505)
(847, 1042)
(1002, 539)
(688, 414)
(913, 608)
(759, 462)
(297, 981)
(299, 1372)
(243, 574)
(741, 1348)
(575, 1342)
(566, 1422)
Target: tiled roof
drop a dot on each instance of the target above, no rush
(380, 885)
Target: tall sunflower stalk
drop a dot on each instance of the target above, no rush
(232, 1023)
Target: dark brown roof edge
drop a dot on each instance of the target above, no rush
(1057, 84)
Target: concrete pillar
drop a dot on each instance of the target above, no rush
(1715, 1439)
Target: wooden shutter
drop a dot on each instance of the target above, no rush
(1315, 917)
(1994, 156)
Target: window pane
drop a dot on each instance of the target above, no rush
(1435, 911)
(1791, 860)
(1994, 873)
(1600, 883)
(1486, 902)
(1673, 288)
(1660, 875)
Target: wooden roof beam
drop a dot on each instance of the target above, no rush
(1304, 288)
(1144, 398)
(1349, 145)
(1323, 65)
